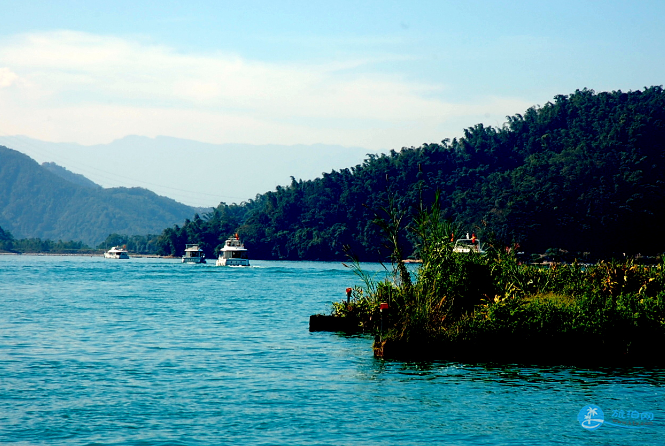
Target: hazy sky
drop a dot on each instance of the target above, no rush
(375, 74)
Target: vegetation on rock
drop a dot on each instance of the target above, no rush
(492, 307)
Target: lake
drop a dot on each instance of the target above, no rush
(145, 351)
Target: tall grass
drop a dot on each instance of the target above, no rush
(491, 306)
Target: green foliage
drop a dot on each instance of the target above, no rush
(49, 246)
(70, 176)
(581, 174)
(6, 240)
(140, 244)
(35, 202)
(364, 303)
(493, 305)
(209, 232)
(135, 243)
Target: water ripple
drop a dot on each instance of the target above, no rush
(153, 352)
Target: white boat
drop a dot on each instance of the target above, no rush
(468, 244)
(193, 254)
(116, 253)
(233, 253)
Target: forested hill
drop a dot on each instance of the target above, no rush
(582, 173)
(70, 176)
(36, 203)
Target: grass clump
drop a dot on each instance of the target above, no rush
(491, 307)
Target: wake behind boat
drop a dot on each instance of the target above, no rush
(233, 253)
(116, 253)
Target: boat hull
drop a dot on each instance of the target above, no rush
(193, 260)
(116, 254)
(232, 262)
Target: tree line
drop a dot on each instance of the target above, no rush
(582, 174)
(49, 202)
(139, 244)
(9, 244)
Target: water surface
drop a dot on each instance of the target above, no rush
(98, 351)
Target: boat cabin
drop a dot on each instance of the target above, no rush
(116, 253)
(193, 254)
(468, 244)
(233, 253)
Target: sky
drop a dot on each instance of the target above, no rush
(377, 75)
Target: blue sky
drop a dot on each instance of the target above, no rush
(376, 75)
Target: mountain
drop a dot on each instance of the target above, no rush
(70, 176)
(35, 202)
(584, 173)
(191, 172)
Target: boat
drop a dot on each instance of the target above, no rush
(233, 253)
(193, 254)
(468, 244)
(116, 253)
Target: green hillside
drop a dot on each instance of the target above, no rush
(583, 173)
(70, 176)
(36, 203)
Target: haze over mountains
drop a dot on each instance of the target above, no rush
(35, 202)
(51, 201)
(581, 174)
(584, 174)
(191, 172)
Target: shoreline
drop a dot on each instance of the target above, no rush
(150, 256)
(564, 349)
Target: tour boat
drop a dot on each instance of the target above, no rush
(233, 253)
(116, 253)
(193, 254)
(468, 244)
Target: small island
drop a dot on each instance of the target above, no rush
(492, 307)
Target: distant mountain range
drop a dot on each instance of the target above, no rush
(191, 172)
(49, 202)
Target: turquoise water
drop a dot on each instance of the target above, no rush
(96, 351)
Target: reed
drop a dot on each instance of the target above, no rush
(492, 307)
